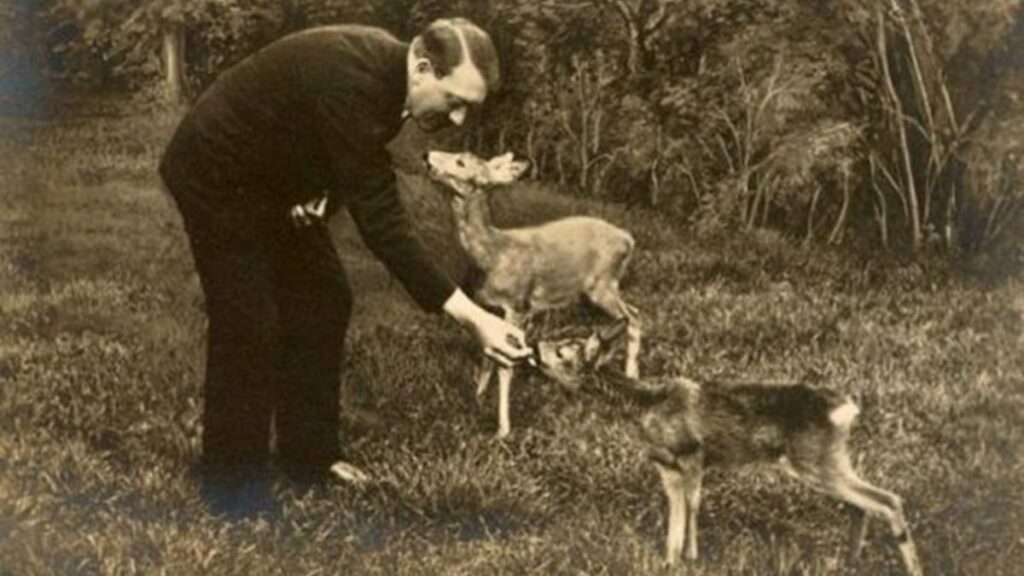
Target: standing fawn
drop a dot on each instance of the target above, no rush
(691, 427)
(528, 270)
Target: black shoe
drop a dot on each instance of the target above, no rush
(238, 494)
(335, 473)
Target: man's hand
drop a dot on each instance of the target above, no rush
(307, 214)
(501, 341)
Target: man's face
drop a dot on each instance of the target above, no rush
(437, 102)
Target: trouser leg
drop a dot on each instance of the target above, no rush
(243, 348)
(229, 249)
(314, 302)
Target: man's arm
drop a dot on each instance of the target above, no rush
(364, 166)
(384, 225)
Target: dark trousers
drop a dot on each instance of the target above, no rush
(278, 303)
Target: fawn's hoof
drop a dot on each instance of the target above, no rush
(632, 372)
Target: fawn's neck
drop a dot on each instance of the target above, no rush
(477, 234)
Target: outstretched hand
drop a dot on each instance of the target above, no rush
(501, 341)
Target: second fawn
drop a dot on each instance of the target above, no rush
(691, 427)
(531, 269)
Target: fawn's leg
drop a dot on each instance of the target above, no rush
(484, 371)
(504, 391)
(837, 478)
(692, 474)
(674, 483)
(606, 297)
(897, 520)
(859, 533)
(633, 335)
(505, 383)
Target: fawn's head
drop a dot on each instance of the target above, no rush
(466, 174)
(568, 360)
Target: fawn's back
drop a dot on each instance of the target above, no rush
(554, 264)
(740, 423)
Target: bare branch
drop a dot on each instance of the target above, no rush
(655, 20)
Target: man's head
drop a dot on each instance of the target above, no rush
(452, 66)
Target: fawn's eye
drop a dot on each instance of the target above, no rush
(460, 163)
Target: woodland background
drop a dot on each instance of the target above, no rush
(884, 124)
(820, 190)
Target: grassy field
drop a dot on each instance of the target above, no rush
(101, 360)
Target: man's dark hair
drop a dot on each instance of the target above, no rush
(439, 44)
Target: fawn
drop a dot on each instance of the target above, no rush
(691, 427)
(531, 269)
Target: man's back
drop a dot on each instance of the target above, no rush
(277, 117)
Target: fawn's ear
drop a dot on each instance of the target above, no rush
(592, 349)
(612, 331)
(502, 159)
(600, 346)
(518, 168)
(504, 169)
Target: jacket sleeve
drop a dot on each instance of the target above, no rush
(359, 154)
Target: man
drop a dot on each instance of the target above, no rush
(247, 168)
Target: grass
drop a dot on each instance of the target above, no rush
(101, 360)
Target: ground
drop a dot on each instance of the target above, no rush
(101, 359)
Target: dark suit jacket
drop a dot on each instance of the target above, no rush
(310, 112)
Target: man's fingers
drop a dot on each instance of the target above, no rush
(318, 207)
(308, 213)
(514, 341)
(512, 353)
(298, 214)
(498, 356)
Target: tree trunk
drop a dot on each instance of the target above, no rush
(904, 143)
(174, 61)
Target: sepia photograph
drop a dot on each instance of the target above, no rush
(474, 287)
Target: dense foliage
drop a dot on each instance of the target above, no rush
(877, 123)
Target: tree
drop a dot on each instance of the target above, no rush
(139, 42)
(642, 19)
(931, 76)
